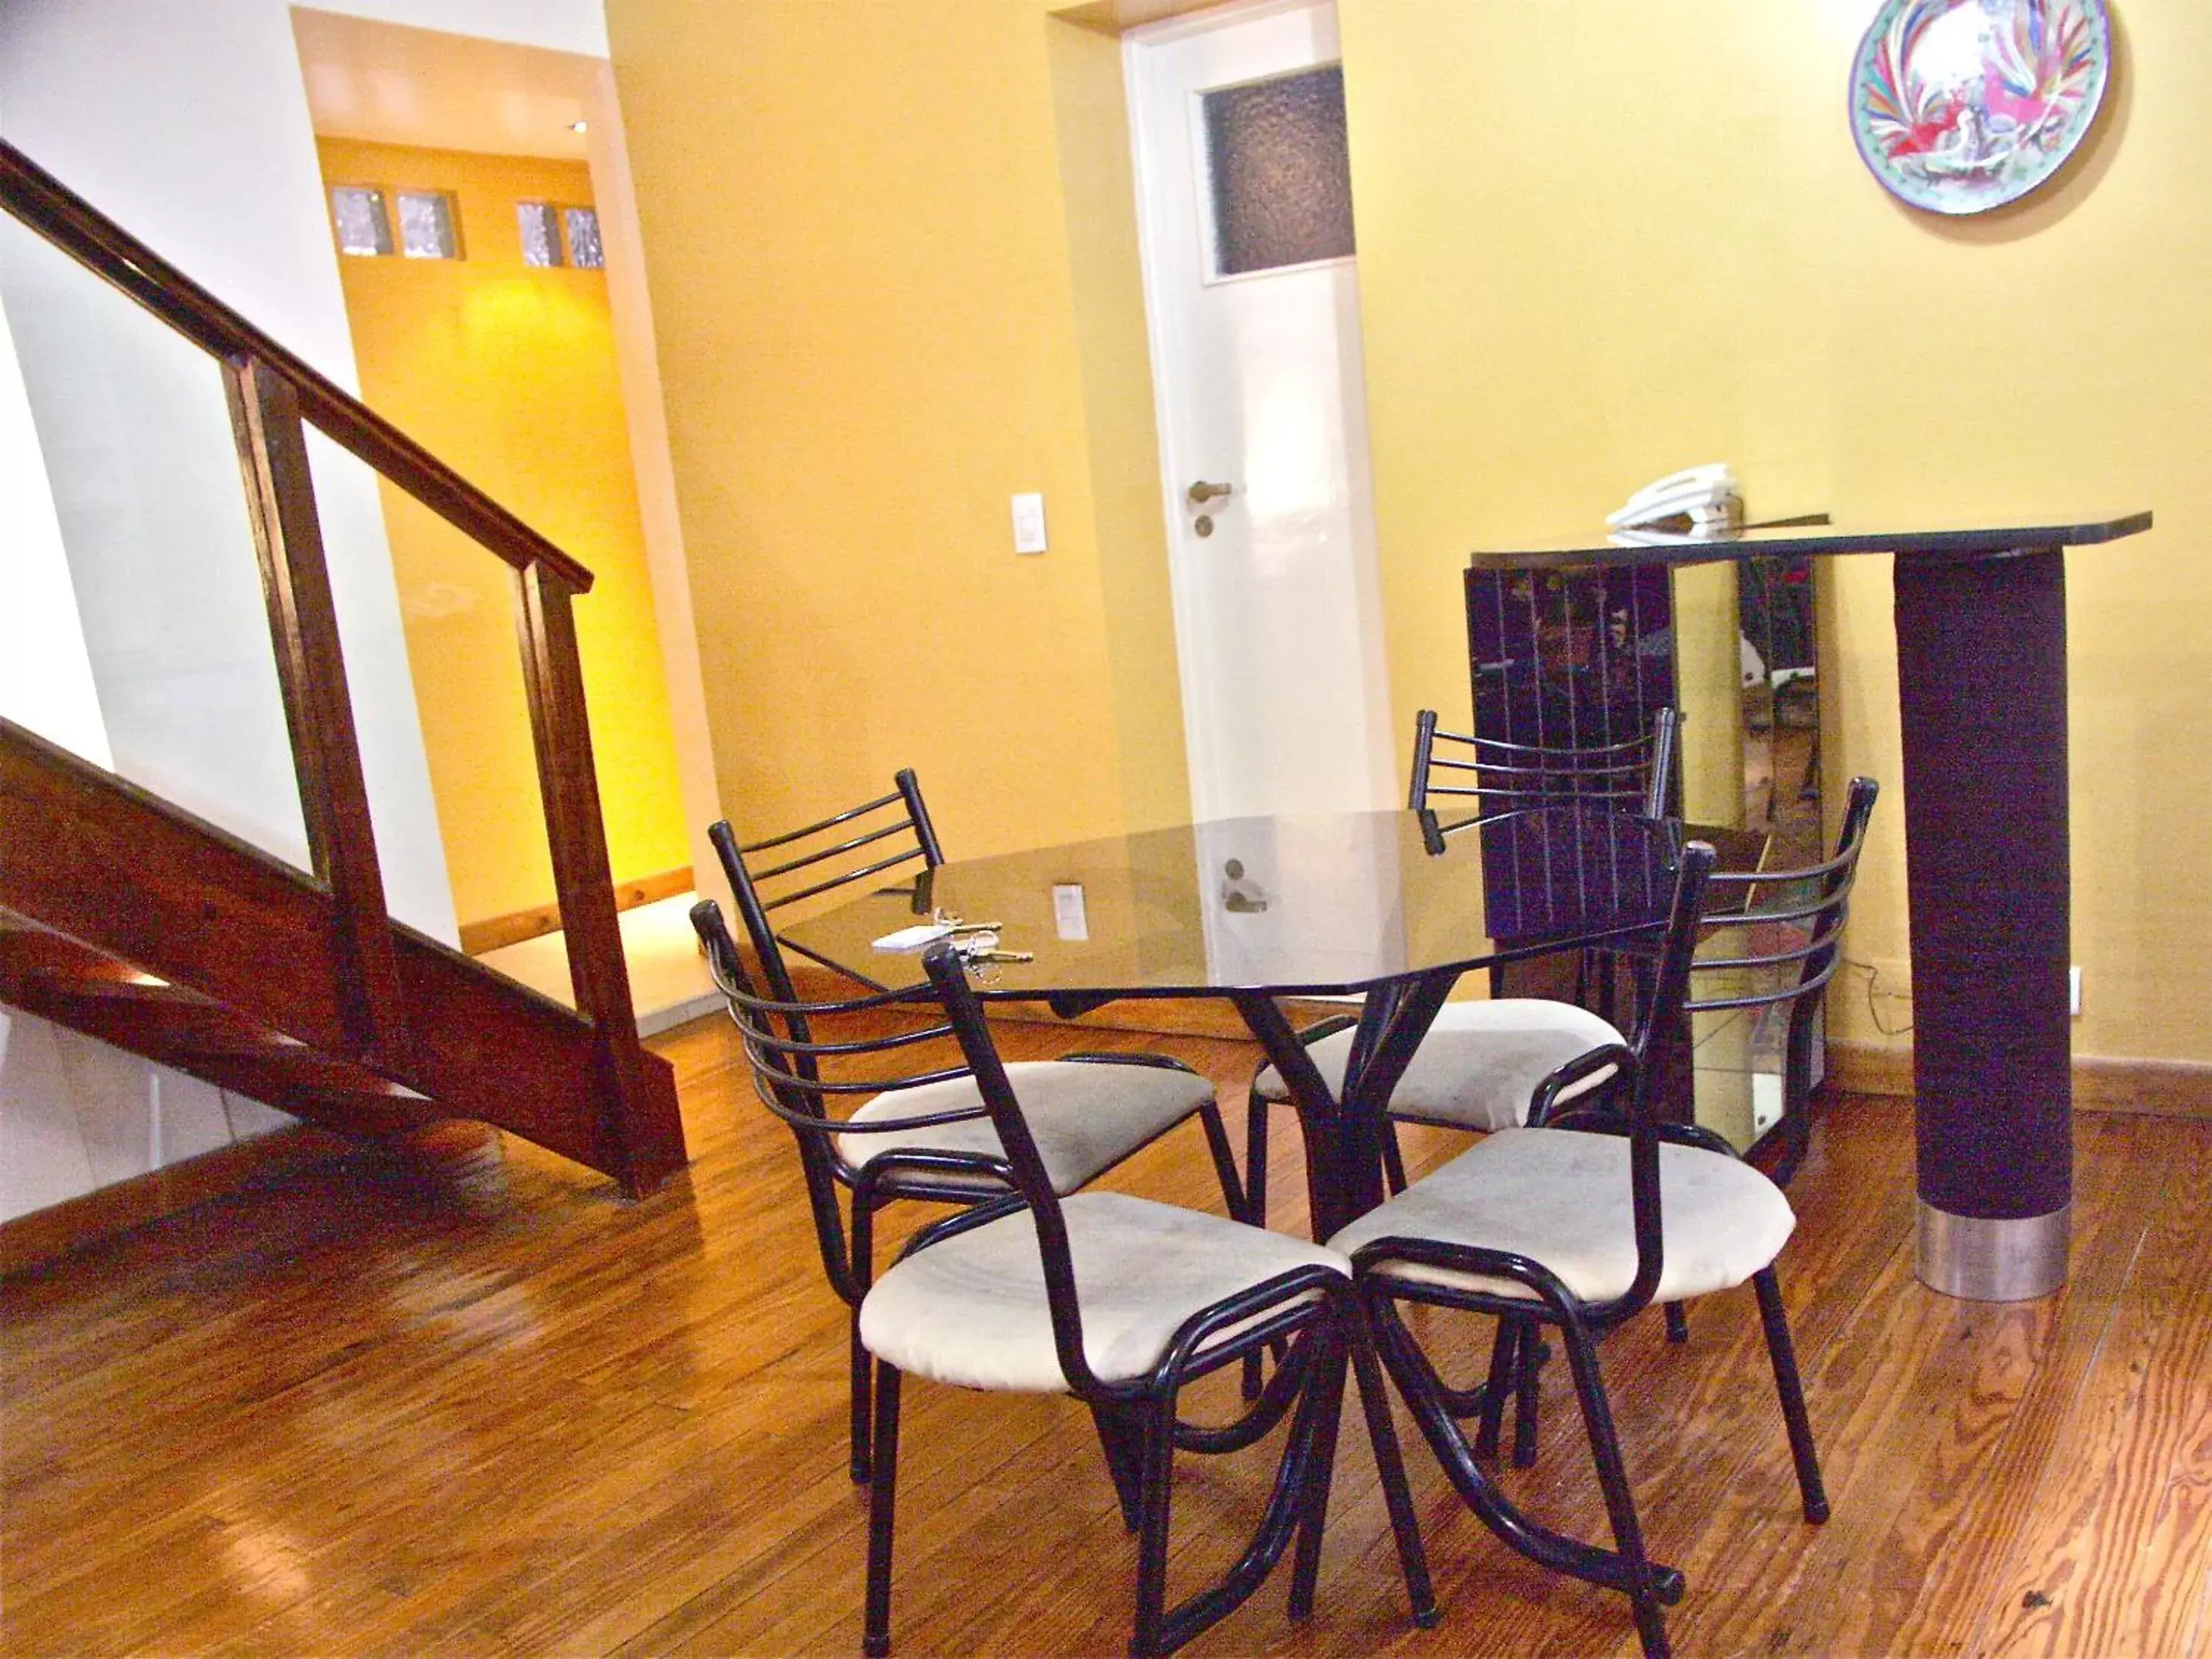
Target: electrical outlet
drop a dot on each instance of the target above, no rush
(2074, 991)
(1765, 1101)
(1071, 916)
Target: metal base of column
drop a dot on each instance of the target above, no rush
(2015, 1260)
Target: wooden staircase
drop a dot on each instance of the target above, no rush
(54, 977)
(128, 918)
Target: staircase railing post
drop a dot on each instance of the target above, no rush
(272, 451)
(644, 1135)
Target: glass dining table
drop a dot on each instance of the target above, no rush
(1389, 907)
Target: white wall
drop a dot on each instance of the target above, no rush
(76, 1115)
(578, 25)
(189, 124)
(615, 190)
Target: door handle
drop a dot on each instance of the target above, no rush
(1202, 492)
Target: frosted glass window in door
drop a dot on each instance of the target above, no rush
(1278, 172)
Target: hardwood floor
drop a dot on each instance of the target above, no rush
(468, 1402)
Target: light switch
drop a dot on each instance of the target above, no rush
(1029, 522)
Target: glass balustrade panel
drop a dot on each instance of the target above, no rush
(427, 618)
(133, 631)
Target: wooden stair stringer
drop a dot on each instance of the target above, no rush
(59, 979)
(140, 925)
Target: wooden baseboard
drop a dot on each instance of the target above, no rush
(1192, 1016)
(2152, 1088)
(492, 932)
(43, 1234)
(1867, 1068)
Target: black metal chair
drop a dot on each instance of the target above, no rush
(1117, 1300)
(1739, 904)
(1087, 1112)
(1481, 1064)
(1601, 1208)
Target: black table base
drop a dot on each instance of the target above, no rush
(1344, 1133)
(1981, 645)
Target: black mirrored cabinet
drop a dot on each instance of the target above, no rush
(1587, 658)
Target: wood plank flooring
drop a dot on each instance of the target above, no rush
(464, 1402)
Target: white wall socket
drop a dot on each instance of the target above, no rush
(1765, 1101)
(2074, 991)
(1071, 916)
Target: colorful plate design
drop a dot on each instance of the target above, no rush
(1961, 106)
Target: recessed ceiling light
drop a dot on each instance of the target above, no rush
(579, 126)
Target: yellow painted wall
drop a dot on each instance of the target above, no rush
(891, 290)
(1598, 242)
(1601, 241)
(508, 373)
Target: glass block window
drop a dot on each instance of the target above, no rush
(429, 228)
(541, 233)
(1278, 172)
(582, 225)
(364, 226)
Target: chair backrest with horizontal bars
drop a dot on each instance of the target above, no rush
(1234, 1324)
(874, 1046)
(1636, 775)
(1779, 935)
(812, 1059)
(885, 834)
(1792, 921)
(1763, 940)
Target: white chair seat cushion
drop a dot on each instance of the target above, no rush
(1086, 1116)
(971, 1311)
(1479, 1062)
(1560, 1197)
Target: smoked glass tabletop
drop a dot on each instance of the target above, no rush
(1331, 903)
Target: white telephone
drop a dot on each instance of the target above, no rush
(1699, 501)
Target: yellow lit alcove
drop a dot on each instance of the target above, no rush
(507, 373)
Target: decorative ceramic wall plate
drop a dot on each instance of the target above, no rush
(1961, 106)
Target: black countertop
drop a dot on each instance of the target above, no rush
(1977, 539)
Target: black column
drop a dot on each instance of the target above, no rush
(1981, 649)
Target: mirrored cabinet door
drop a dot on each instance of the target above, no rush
(1780, 706)
(1764, 770)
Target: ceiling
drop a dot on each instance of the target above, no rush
(395, 85)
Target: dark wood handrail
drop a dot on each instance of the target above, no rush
(63, 217)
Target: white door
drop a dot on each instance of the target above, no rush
(1253, 298)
